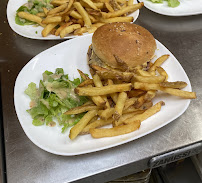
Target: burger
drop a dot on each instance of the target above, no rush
(121, 47)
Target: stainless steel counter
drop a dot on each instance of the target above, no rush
(25, 162)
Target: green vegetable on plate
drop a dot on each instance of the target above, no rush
(53, 98)
(171, 3)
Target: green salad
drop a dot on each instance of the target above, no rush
(33, 7)
(171, 3)
(53, 98)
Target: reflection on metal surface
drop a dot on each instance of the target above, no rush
(171, 24)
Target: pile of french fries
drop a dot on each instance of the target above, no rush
(81, 16)
(123, 99)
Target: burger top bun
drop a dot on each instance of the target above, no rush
(131, 43)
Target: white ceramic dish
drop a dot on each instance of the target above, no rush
(32, 32)
(186, 7)
(71, 55)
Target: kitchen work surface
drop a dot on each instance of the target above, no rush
(25, 162)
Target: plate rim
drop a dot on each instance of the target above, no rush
(167, 14)
(100, 148)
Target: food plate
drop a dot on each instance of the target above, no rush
(34, 32)
(71, 55)
(186, 7)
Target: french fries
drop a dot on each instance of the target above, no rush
(79, 17)
(118, 130)
(105, 90)
(129, 96)
(81, 124)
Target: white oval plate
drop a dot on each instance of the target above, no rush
(186, 7)
(29, 31)
(71, 55)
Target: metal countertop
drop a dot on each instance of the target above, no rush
(25, 162)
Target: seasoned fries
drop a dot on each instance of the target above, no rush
(79, 17)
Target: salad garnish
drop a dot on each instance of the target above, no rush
(53, 98)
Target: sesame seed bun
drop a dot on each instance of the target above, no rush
(131, 43)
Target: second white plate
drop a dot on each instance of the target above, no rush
(33, 32)
(186, 7)
(71, 55)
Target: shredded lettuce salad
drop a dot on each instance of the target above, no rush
(32, 7)
(171, 3)
(53, 98)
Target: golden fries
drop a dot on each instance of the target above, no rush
(81, 124)
(172, 91)
(125, 99)
(105, 90)
(120, 105)
(118, 130)
(148, 113)
(89, 14)
(123, 11)
(30, 17)
(96, 124)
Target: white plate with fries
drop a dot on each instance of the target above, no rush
(186, 7)
(72, 55)
(36, 32)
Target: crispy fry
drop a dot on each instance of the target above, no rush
(149, 79)
(57, 9)
(172, 91)
(119, 105)
(83, 76)
(75, 14)
(162, 72)
(107, 113)
(41, 14)
(91, 4)
(30, 17)
(148, 113)
(176, 84)
(98, 83)
(126, 116)
(143, 73)
(139, 102)
(83, 13)
(81, 109)
(105, 90)
(45, 10)
(114, 96)
(129, 102)
(115, 131)
(50, 20)
(69, 29)
(107, 74)
(75, 130)
(150, 95)
(108, 6)
(57, 33)
(86, 83)
(127, 9)
(135, 93)
(117, 19)
(48, 29)
(130, 2)
(158, 62)
(96, 124)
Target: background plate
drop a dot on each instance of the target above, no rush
(186, 7)
(71, 55)
(32, 32)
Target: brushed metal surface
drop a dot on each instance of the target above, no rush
(27, 163)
